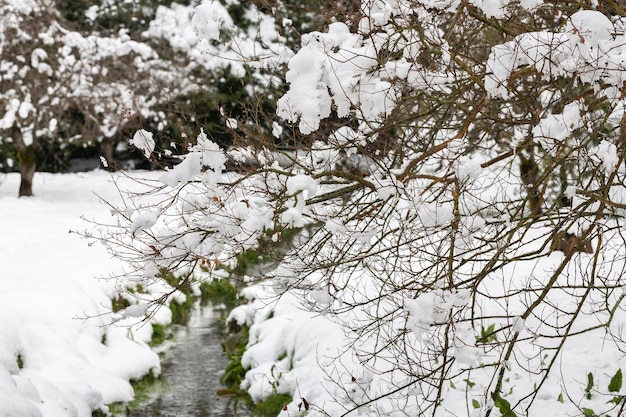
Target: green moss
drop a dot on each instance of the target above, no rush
(271, 406)
(217, 292)
(182, 284)
(235, 345)
(149, 385)
(27, 156)
(245, 261)
(236, 341)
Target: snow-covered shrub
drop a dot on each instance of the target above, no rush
(441, 148)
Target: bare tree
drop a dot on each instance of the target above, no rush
(444, 152)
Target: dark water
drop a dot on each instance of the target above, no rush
(191, 371)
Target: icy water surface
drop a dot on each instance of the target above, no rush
(191, 371)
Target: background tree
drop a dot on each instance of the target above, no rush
(80, 76)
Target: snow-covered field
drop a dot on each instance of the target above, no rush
(58, 355)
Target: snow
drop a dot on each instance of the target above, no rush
(144, 220)
(558, 127)
(302, 182)
(212, 155)
(592, 27)
(200, 31)
(606, 154)
(292, 217)
(183, 172)
(55, 310)
(277, 130)
(209, 18)
(136, 310)
(206, 153)
(587, 47)
(322, 338)
(498, 8)
(231, 123)
(413, 280)
(333, 69)
(142, 140)
(310, 355)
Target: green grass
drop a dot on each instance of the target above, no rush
(235, 346)
(219, 292)
(160, 334)
(119, 303)
(181, 312)
(145, 388)
(271, 406)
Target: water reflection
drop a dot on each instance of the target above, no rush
(191, 370)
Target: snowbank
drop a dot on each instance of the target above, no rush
(316, 361)
(59, 355)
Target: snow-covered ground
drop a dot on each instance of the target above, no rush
(309, 357)
(61, 357)
(58, 355)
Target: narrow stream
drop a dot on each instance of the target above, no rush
(191, 371)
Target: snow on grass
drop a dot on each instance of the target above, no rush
(59, 355)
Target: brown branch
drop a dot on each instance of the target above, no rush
(464, 128)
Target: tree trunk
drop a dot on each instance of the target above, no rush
(27, 172)
(106, 151)
(530, 178)
(26, 159)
